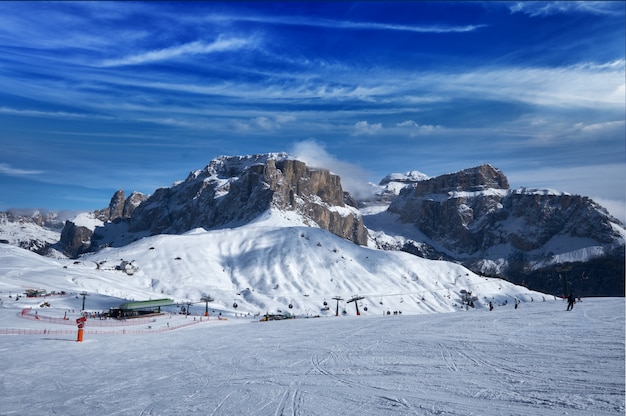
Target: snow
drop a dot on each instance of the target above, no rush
(473, 194)
(538, 191)
(534, 360)
(387, 229)
(16, 232)
(582, 254)
(414, 347)
(276, 259)
(410, 176)
(87, 220)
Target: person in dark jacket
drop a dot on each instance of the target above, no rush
(570, 301)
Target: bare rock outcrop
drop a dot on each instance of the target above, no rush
(75, 239)
(235, 190)
(120, 206)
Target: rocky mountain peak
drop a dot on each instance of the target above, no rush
(468, 180)
(474, 217)
(120, 206)
(233, 190)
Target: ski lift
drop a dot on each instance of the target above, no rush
(325, 303)
(290, 306)
(381, 301)
(401, 299)
(235, 305)
(365, 308)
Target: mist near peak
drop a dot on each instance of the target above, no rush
(353, 177)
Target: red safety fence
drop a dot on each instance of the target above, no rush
(21, 331)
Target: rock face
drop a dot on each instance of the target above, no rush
(235, 190)
(120, 206)
(75, 239)
(473, 217)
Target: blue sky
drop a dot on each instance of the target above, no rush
(100, 96)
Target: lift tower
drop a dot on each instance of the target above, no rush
(356, 300)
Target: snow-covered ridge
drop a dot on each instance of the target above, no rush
(87, 220)
(26, 234)
(538, 191)
(265, 265)
(408, 177)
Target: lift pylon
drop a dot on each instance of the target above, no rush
(355, 299)
(337, 298)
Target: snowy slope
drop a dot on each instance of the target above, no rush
(26, 234)
(533, 360)
(264, 266)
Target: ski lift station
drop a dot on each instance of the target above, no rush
(142, 308)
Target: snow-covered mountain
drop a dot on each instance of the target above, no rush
(230, 191)
(269, 264)
(525, 235)
(34, 230)
(548, 240)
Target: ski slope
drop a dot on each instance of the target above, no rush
(537, 359)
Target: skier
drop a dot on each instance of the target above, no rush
(570, 301)
(490, 306)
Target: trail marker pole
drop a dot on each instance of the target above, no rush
(81, 324)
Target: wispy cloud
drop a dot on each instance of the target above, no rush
(263, 123)
(192, 48)
(6, 169)
(344, 24)
(583, 85)
(52, 114)
(383, 26)
(547, 8)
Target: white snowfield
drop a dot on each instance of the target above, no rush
(537, 359)
(431, 355)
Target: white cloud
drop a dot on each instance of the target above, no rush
(417, 129)
(193, 48)
(285, 118)
(345, 24)
(264, 123)
(363, 127)
(583, 85)
(11, 171)
(402, 28)
(353, 177)
(547, 8)
(598, 128)
(51, 114)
